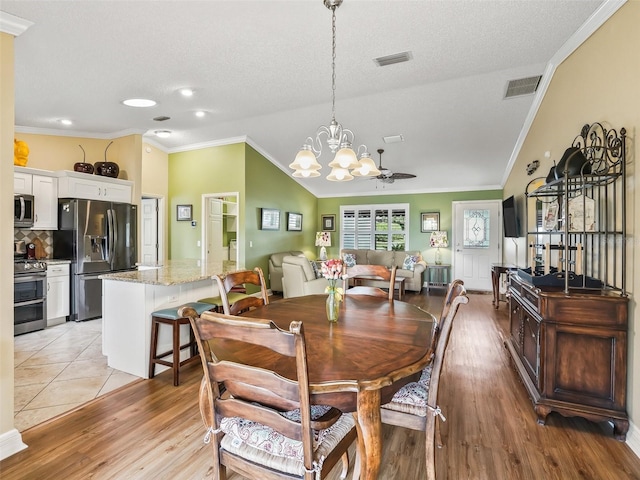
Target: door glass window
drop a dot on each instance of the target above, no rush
(476, 228)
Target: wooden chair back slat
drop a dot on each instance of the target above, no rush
(378, 272)
(244, 277)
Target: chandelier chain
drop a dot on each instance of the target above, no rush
(333, 63)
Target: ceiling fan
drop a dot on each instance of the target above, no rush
(387, 176)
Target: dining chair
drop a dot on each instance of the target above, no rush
(370, 272)
(261, 424)
(233, 304)
(415, 406)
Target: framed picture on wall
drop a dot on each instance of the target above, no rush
(269, 219)
(294, 222)
(429, 221)
(328, 223)
(184, 213)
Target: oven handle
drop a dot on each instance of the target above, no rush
(30, 302)
(29, 278)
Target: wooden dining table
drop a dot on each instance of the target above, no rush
(356, 364)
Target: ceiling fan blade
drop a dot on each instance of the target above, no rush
(402, 176)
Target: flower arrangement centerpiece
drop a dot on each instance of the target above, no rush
(332, 271)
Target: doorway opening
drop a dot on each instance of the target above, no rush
(220, 232)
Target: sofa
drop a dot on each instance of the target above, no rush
(300, 278)
(390, 258)
(275, 268)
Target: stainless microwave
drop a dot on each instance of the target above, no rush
(23, 214)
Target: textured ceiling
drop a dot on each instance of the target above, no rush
(262, 69)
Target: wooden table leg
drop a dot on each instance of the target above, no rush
(495, 279)
(369, 425)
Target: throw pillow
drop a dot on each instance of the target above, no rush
(317, 272)
(349, 259)
(410, 262)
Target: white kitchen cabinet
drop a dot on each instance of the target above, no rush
(43, 185)
(92, 187)
(58, 293)
(45, 192)
(22, 183)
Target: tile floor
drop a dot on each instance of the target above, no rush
(59, 368)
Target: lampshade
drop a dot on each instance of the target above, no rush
(339, 175)
(366, 168)
(345, 158)
(439, 239)
(323, 239)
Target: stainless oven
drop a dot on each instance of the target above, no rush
(29, 296)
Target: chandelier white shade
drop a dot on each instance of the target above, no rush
(338, 139)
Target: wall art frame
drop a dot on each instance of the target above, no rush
(184, 213)
(328, 223)
(294, 222)
(269, 219)
(429, 222)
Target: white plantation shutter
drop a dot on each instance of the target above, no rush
(379, 227)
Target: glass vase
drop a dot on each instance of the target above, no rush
(333, 305)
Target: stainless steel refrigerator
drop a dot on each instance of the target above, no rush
(98, 237)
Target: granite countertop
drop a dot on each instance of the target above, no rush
(55, 261)
(174, 272)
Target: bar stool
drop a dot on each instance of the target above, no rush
(236, 293)
(169, 316)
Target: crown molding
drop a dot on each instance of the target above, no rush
(13, 25)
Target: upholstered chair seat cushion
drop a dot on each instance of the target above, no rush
(412, 398)
(261, 444)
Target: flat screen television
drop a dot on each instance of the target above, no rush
(510, 219)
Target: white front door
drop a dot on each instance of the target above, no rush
(149, 231)
(477, 242)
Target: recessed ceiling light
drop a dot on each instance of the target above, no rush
(200, 114)
(186, 92)
(139, 102)
(163, 133)
(64, 121)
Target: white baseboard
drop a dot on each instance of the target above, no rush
(10, 443)
(633, 439)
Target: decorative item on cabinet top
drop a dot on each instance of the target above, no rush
(83, 166)
(20, 153)
(107, 169)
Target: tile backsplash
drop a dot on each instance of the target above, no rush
(45, 236)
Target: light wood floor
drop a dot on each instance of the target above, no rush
(152, 430)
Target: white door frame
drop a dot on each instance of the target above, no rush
(205, 216)
(162, 216)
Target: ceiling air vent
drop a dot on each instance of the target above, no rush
(522, 86)
(391, 59)
(161, 119)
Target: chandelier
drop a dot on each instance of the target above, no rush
(345, 164)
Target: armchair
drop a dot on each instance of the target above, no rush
(275, 269)
(298, 278)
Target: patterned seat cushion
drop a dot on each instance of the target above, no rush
(261, 444)
(412, 398)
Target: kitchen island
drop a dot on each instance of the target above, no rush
(129, 298)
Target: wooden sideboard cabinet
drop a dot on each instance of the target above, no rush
(571, 351)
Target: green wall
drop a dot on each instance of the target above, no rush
(269, 187)
(198, 172)
(422, 202)
(239, 167)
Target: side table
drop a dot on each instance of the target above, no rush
(498, 269)
(438, 276)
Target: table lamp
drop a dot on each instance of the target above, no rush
(438, 239)
(323, 240)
